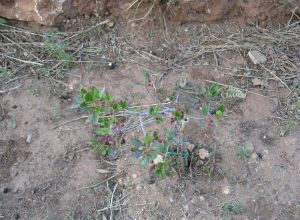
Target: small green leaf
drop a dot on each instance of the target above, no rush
(103, 131)
(102, 150)
(157, 108)
(136, 142)
(161, 170)
(83, 91)
(93, 118)
(213, 90)
(205, 110)
(101, 93)
(95, 92)
(152, 111)
(115, 107)
(155, 135)
(158, 119)
(13, 122)
(77, 102)
(220, 111)
(148, 140)
(88, 97)
(178, 115)
(146, 78)
(3, 21)
(123, 104)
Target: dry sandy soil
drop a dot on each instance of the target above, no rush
(58, 176)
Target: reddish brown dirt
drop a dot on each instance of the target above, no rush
(46, 179)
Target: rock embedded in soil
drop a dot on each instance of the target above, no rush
(29, 139)
(257, 57)
(203, 154)
(226, 190)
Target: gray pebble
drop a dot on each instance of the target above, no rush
(29, 139)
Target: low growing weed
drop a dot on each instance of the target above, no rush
(166, 150)
(232, 208)
(243, 152)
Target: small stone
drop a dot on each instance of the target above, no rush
(190, 147)
(29, 139)
(226, 190)
(203, 153)
(138, 187)
(186, 207)
(158, 159)
(201, 198)
(257, 57)
(253, 156)
(86, 16)
(134, 176)
(110, 23)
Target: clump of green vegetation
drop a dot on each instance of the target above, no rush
(99, 147)
(243, 152)
(232, 208)
(4, 72)
(56, 48)
(103, 109)
(166, 152)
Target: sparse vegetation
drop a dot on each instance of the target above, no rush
(167, 152)
(243, 152)
(230, 209)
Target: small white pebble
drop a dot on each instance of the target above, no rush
(29, 139)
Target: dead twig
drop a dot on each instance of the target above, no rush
(98, 184)
(68, 122)
(9, 90)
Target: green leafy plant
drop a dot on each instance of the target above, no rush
(232, 208)
(99, 147)
(243, 152)
(167, 152)
(102, 107)
(154, 111)
(213, 91)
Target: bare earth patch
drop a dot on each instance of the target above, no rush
(253, 166)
